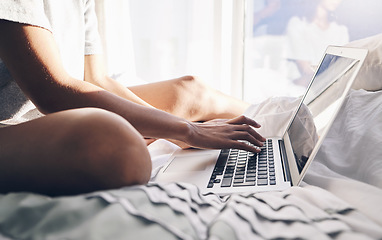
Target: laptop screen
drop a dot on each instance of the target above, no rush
(319, 106)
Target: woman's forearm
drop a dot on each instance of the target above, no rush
(33, 58)
(149, 121)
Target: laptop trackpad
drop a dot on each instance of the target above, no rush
(191, 163)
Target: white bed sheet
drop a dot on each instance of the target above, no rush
(340, 198)
(349, 163)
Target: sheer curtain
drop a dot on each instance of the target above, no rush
(115, 30)
(155, 40)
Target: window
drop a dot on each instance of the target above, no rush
(156, 40)
(251, 49)
(172, 38)
(285, 40)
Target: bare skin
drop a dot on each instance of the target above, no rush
(202, 102)
(92, 136)
(71, 152)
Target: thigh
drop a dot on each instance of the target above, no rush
(163, 95)
(51, 154)
(190, 98)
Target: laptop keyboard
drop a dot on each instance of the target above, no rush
(237, 168)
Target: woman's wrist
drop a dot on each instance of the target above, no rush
(183, 130)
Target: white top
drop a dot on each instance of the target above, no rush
(74, 27)
(308, 42)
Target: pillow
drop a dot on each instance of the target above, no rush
(370, 74)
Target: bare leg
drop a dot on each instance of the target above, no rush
(190, 98)
(72, 152)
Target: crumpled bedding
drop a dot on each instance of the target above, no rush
(340, 197)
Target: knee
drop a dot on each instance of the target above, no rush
(195, 98)
(111, 152)
(192, 83)
(192, 91)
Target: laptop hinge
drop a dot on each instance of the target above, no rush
(284, 161)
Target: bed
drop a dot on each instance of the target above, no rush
(340, 197)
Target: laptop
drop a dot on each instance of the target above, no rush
(283, 160)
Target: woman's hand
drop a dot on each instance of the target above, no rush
(223, 133)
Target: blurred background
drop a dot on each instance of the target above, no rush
(251, 49)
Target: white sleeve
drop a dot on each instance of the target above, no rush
(298, 44)
(25, 11)
(93, 43)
